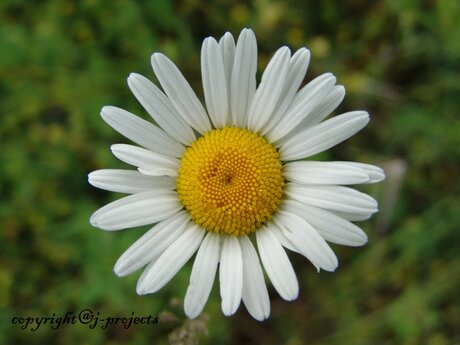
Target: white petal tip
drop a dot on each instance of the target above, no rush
(340, 92)
(115, 147)
(109, 113)
(191, 314)
(143, 287)
(227, 35)
(361, 118)
(135, 78)
(228, 312)
(380, 178)
(93, 179)
(93, 220)
(105, 109)
(284, 49)
(330, 268)
(363, 114)
(120, 268)
(362, 242)
(361, 237)
(291, 296)
(118, 271)
(377, 177)
(330, 264)
(209, 40)
(157, 56)
(261, 318)
(307, 55)
(303, 50)
(141, 291)
(247, 33)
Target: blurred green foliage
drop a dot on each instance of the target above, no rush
(62, 60)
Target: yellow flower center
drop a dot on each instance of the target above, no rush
(230, 180)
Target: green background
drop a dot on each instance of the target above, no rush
(62, 60)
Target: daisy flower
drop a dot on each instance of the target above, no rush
(222, 180)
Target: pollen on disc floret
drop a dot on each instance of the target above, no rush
(230, 180)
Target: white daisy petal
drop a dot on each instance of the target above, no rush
(227, 46)
(128, 181)
(342, 199)
(284, 240)
(324, 108)
(335, 172)
(269, 90)
(146, 159)
(137, 210)
(309, 88)
(331, 227)
(255, 294)
(287, 240)
(152, 244)
(243, 82)
(297, 69)
(231, 275)
(323, 173)
(352, 217)
(307, 240)
(203, 274)
(302, 106)
(180, 93)
(141, 132)
(160, 272)
(323, 136)
(277, 264)
(375, 173)
(160, 108)
(214, 83)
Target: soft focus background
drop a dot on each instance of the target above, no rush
(62, 60)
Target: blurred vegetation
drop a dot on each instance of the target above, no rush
(62, 60)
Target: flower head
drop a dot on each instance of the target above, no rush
(216, 181)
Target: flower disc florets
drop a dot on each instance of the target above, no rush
(231, 181)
